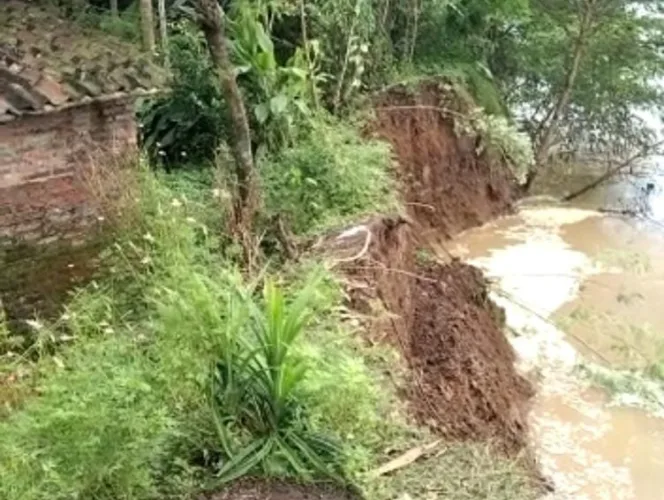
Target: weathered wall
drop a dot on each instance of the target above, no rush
(43, 164)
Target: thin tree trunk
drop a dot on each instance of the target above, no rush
(551, 122)
(416, 28)
(344, 68)
(212, 24)
(163, 30)
(115, 12)
(147, 25)
(307, 52)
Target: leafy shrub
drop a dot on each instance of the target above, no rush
(255, 388)
(93, 432)
(281, 96)
(189, 123)
(102, 413)
(125, 413)
(502, 135)
(133, 387)
(330, 174)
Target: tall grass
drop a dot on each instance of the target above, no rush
(177, 376)
(330, 176)
(126, 405)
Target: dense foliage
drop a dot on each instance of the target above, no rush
(317, 182)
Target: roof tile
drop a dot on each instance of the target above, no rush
(60, 64)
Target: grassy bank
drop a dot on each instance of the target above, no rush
(118, 399)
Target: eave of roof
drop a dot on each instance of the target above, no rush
(60, 65)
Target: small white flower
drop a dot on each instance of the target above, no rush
(191, 220)
(176, 203)
(148, 237)
(34, 324)
(146, 260)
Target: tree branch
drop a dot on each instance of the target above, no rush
(615, 170)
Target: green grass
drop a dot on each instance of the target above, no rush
(641, 388)
(329, 177)
(625, 260)
(636, 353)
(118, 404)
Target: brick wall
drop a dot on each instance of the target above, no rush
(43, 158)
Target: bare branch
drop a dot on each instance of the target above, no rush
(647, 151)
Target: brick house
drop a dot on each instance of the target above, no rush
(66, 99)
(48, 133)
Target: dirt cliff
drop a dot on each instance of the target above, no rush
(462, 380)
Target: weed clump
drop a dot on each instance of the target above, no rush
(330, 176)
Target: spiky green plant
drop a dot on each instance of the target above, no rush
(254, 391)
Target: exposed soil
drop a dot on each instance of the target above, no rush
(265, 490)
(447, 186)
(464, 382)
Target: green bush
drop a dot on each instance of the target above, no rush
(187, 125)
(330, 175)
(93, 432)
(125, 409)
(256, 391)
(104, 412)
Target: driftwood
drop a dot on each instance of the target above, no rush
(405, 459)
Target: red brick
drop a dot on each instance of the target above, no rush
(42, 159)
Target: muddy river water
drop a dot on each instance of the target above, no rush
(583, 292)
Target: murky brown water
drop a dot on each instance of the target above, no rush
(582, 287)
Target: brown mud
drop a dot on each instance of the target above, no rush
(463, 383)
(463, 366)
(446, 185)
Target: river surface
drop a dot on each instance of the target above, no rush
(583, 292)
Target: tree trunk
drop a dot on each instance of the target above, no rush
(307, 52)
(336, 102)
(417, 10)
(212, 24)
(147, 25)
(163, 29)
(551, 122)
(115, 12)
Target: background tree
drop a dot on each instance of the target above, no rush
(212, 21)
(163, 29)
(580, 71)
(147, 25)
